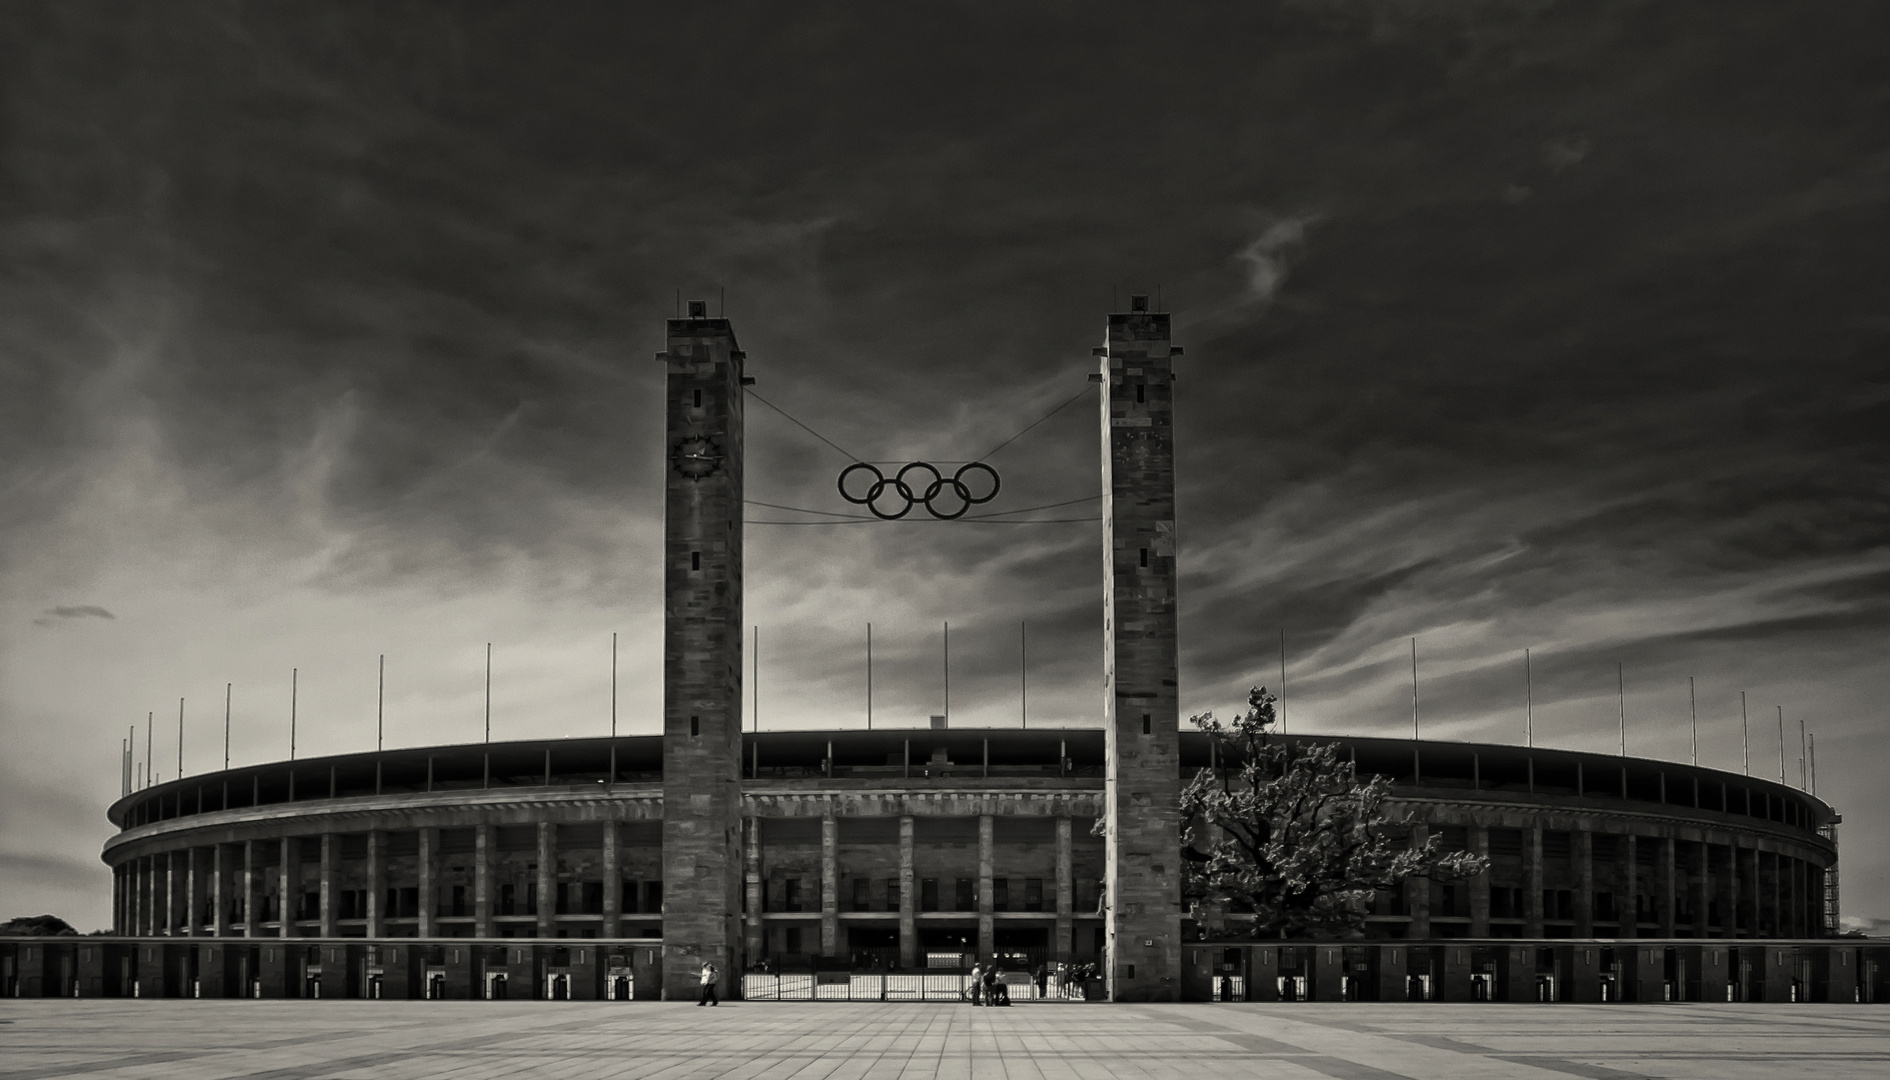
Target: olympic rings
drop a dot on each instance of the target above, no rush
(918, 491)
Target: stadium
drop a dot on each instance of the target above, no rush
(879, 864)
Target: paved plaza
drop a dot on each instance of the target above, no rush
(315, 1040)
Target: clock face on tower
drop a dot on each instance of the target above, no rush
(696, 457)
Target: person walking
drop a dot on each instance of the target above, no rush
(708, 986)
(1043, 981)
(977, 984)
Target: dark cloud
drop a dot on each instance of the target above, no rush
(1508, 324)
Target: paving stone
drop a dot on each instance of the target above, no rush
(346, 1040)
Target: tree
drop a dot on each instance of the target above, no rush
(1290, 833)
(36, 926)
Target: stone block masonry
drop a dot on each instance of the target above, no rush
(702, 653)
(1142, 878)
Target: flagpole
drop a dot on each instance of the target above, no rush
(1693, 709)
(380, 706)
(1529, 701)
(869, 676)
(226, 726)
(1023, 673)
(1620, 693)
(1745, 738)
(1282, 680)
(1414, 698)
(1781, 744)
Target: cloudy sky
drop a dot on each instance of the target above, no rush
(327, 332)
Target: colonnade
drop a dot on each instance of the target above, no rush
(1697, 888)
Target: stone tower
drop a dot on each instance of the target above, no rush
(702, 652)
(1141, 711)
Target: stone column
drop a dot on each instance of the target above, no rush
(1735, 891)
(1141, 710)
(429, 900)
(169, 907)
(1417, 891)
(908, 904)
(376, 883)
(613, 883)
(1627, 872)
(753, 940)
(1665, 889)
(1066, 895)
(1532, 881)
(1479, 837)
(327, 885)
(193, 895)
(219, 891)
(252, 890)
(829, 886)
(288, 884)
(702, 650)
(547, 879)
(987, 930)
(482, 880)
(1778, 909)
(1584, 882)
(1700, 871)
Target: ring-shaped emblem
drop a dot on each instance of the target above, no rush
(919, 483)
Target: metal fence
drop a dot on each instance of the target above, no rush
(872, 986)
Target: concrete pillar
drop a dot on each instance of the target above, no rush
(1735, 890)
(547, 879)
(219, 890)
(330, 853)
(1066, 895)
(288, 884)
(252, 890)
(191, 925)
(908, 903)
(484, 840)
(1777, 894)
(376, 883)
(1417, 891)
(1627, 872)
(1532, 881)
(1142, 716)
(170, 894)
(1665, 887)
(1700, 884)
(702, 651)
(829, 886)
(753, 936)
(987, 899)
(429, 900)
(613, 883)
(1479, 840)
(1584, 883)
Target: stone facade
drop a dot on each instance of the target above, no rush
(1141, 714)
(702, 652)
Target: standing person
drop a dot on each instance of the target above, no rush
(708, 986)
(1043, 981)
(977, 984)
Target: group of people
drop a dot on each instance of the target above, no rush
(987, 988)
